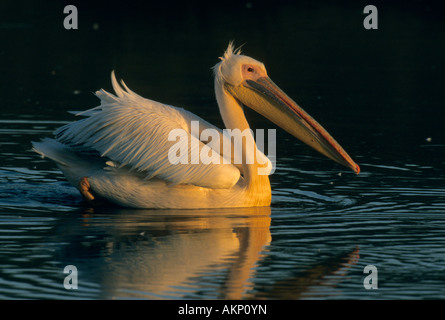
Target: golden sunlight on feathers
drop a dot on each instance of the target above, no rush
(121, 150)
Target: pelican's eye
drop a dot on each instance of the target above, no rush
(250, 72)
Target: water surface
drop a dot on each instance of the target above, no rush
(378, 93)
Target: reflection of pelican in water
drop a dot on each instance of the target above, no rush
(215, 253)
(312, 282)
(162, 253)
(129, 136)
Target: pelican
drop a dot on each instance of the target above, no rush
(119, 150)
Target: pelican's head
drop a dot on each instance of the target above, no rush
(246, 80)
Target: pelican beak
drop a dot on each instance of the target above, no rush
(266, 98)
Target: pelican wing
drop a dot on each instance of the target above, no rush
(148, 137)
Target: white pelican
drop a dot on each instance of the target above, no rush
(119, 150)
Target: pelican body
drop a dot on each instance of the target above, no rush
(119, 151)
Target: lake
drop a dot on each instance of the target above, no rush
(378, 92)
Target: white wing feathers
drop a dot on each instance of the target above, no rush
(133, 132)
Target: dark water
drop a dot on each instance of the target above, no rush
(379, 92)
